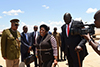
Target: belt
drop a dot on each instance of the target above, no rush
(44, 49)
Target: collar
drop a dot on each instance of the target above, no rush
(13, 30)
(55, 32)
(70, 23)
(25, 33)
(35, 31)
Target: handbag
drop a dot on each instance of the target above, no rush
(0, 66)
(29, 59)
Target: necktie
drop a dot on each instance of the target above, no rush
(68, 30)
(34, 37)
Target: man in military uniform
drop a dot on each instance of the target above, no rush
(58, 39)
(10, 44)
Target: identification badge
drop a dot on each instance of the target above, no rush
(10, 35)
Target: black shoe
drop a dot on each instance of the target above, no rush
(58, 60)
(64, 59)
(61, 59)
(0, 66)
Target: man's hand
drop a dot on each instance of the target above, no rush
(55, 62)
(78, 48)
(29, 49)
(87, 37)
(4, 58)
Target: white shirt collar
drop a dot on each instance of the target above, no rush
(70, 23)
(25, 33)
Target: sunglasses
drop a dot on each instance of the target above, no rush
(35, 27)
(16, 24)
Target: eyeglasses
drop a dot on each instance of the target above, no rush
(35, 27)
(16, 24)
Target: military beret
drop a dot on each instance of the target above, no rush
(16, 21)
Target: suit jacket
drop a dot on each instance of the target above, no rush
(72, 41)
(24, 43)
(33, 40)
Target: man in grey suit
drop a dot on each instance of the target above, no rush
(71, 44)
(25, 44)
(34, 36)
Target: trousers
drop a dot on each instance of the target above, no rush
(12, 63)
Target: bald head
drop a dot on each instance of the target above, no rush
(97, 19)
(67, 18)
(35, 28)
(67, 15)
(55, 29)
(97, 15)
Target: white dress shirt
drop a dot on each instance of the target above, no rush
(69, 26)
(26, 36)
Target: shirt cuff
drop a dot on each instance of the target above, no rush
(98, 47)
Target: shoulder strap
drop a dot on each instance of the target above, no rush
(47, 38)
(11, 33)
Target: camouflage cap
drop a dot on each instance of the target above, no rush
(16, 21)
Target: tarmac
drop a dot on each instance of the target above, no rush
(92, 60)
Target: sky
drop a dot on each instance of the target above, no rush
(49, 12)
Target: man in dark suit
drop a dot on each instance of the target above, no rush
(71, 44)
(61, 55)
(34, 36)
(25, 44)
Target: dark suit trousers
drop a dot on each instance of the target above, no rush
(71, 62)
(35, 61)
(35, 56)
(23, 56)
(61, 54)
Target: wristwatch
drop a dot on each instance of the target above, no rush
(89, 40)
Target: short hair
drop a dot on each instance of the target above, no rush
(24, 26)
(44, 26)
(55, 28)
(97, 15)
(35, 26)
